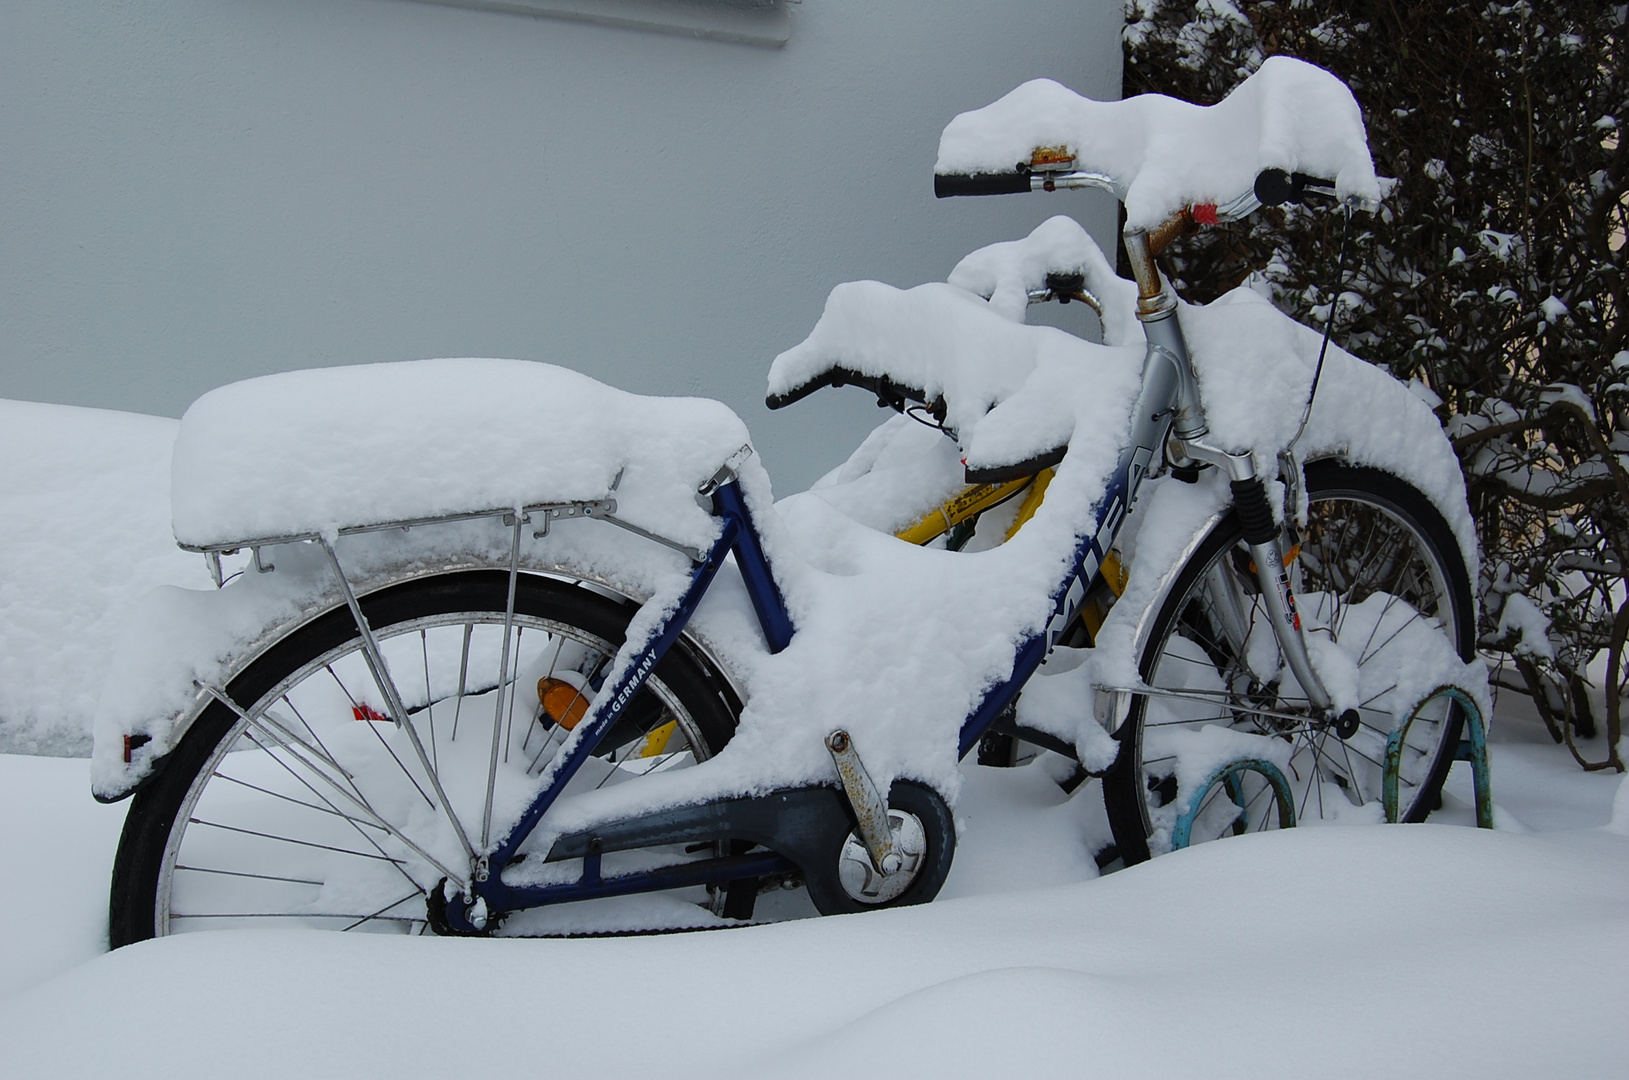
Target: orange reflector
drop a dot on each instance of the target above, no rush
(563, 702)
(368, 712)
(1289, 557)
(1050, 155)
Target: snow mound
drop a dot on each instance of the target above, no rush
(84, 533)
(948, 342)
(1005, 272)
(1166, 154)
(1139, 974)
(311, 451)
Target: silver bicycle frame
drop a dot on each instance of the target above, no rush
(1171, 419)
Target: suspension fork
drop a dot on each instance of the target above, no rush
(1272, 575)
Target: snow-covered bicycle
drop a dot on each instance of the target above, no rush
(514, 650)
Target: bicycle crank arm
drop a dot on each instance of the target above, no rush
(870, 808)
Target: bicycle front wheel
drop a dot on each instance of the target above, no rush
(318, 811)
(1379, 574)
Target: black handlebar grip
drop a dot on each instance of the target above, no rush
(946, 185)
(1275, 187)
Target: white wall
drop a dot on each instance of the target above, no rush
(197, 191)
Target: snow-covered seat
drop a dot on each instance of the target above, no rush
(1166, 154)
(310, 452)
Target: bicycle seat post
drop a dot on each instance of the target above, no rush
(1156, 310)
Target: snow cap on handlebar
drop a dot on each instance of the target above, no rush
(1164, 154)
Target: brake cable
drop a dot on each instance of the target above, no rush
(1329, 326)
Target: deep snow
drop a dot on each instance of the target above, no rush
(1434, 950)
(84, 535)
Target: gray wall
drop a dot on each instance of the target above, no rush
(197, 191)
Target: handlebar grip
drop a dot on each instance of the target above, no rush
(1275, 187)
(946, 185)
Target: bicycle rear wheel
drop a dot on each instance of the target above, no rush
(318, 811)
(1380, 575)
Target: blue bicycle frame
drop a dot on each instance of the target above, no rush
(739, 818)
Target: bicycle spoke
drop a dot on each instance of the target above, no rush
(291, 840)
(463, 675)
(294, 915)
(245, 874)
(514, 677)
(381, 911)
(286, 798)
(1393, 636)
(429, 699)
(387, 826)
(399, 763)
(347, 818)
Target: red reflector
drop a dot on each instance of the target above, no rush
(134, 742)
(368, 712)
(1205, 213)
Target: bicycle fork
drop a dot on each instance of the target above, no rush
(1271, 569)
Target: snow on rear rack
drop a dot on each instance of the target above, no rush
(335, 451)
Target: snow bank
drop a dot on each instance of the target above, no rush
(1166, 154)
(84, 534)
(310, 451)
(50, 832)
(1456, 952)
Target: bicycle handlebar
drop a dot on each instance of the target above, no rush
(946, 185)
(1273, 187)
(890, 394)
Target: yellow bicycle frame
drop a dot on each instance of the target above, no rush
(973, 501)
(976, 499)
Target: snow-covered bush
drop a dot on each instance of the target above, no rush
(1492, 276)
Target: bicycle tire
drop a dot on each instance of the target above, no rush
(238, 828)
(1369, 535)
